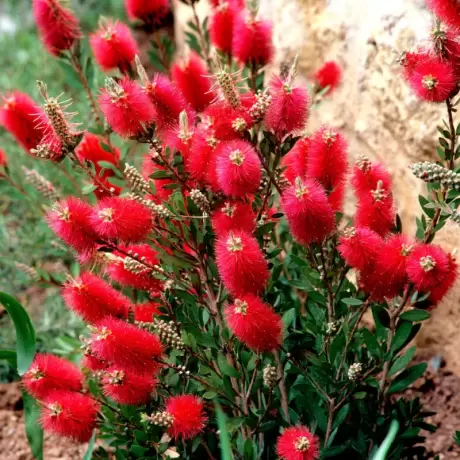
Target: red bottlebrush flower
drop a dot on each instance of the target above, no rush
(145, 312)
(188, 416)
(295, 161)
(122, 218)
(241, 263)
(307, 211)
(92, 363)
(437, 293)
(376, 211)
(70, 415)
(288, 111)
(252, 40)
(297, 443)
(387, 277)
(447, 10)
(113, 46)
(3, 158)
(126, 107)
(192, 78)
(93, 299)
(127, 387)
(90, 149)
(329, 75)
(410, 59)
(428, 267)
(126, 345)
(201, 162)
(18, 116)
(433, 79)
(254, 323)
(48, 373)
(336, 197)
(168, 102)
(57, 26)
(148, 168)
(233, 216)
(70, 219)
(221, 27)
(226, 121)
(238, 168)
(140, 279)
(367, 175)
(179, 140)
(149, 11)
(327, 158)
(359, 247)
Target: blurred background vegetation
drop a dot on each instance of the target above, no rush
(24, 236)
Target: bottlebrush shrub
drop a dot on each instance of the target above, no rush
(214, 263)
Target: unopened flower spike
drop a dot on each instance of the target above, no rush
(226, 83)
(141, 72)
(114, 90)
(43, 186)
(292, 71)
(184, 130)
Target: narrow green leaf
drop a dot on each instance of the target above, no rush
(89, 451)
(402, 333)
(402, 361)
(225, 367)
(34, 430)
(89, 188)
(384, 448)
(289, 317)
(407, 377)
(352, 301)
(25, 333)
(10, 356)
(225, 448)
(415, 315)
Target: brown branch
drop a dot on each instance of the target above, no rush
(282, 385)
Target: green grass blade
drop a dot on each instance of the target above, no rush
(10, 356)
(225, 448)
(382, 452)
(89, 451)
(25, 333)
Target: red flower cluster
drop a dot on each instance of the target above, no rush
(188, 417)
(149, 11)
(297, 443)
(329, 76)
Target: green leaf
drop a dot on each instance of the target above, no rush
(10, 356)
(88, 188)
(382, 452)
(289, 317)
(210, 395)
(415, 315)
(89, 451)
(225, 448)
(225, 367)
(402, 333)
(352, 301)
(34, 430)
(407, 377)
(25, 333)
(402, 361)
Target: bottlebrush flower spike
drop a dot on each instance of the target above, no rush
(113, 46)
(307, 211)
(92, 363)
(388, 277)
(126, 345)
(288, 111)
(127, 387)
(376, 211)
(410, 59)
(57, 26)
(329, 75)
(295, 161)
(168, 102)
(241, 264)
(428, 267)
(90, 149)
(200, 163)
(233, 216)
(437, 293)
(238, 168)
(70, 415)
(221, 27)
(70, 220)
(447, 10)
(193, 80)
(328, 158)
(92, 298)
(48, 373)
(18, 115)
(126, 107)
(122, 219)
(188, 416)
(254, 323)
(359, 247)
(149, 11)
(143, 280)
(297, 443)
(148, 168)
(180, 138)
(433, 79)
(252, 40)
(366, 176)
(145, 312)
